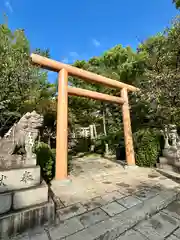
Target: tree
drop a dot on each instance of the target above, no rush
(21, 84)
(154, 68)
(160, 85)
(122, 64)
(177, 3)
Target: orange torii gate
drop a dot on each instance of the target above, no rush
(62, 108)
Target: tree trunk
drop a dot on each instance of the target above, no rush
(95, 132)
(92, 147)
(104, 128)
(49, 141)
(104, 123)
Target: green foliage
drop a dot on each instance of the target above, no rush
(122, 64)
(15, 72)
(154, 68)
(147, 147)
(147, 144)
(82, 145)
(23, 86)
(177, 3)
(113, 139)
(46, 160)
(160, 84)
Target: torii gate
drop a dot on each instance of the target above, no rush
(62, 107)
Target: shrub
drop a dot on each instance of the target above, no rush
(114, 140)
(82, 145)
(147, 145)
(46, 160)
(99, 145)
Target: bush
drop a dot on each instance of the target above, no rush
(46, 160)
(82, 145)
(147, 145)
(114, 140)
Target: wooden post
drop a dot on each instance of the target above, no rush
(62, 127)
(127, 129)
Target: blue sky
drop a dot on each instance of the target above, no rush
(80, 29)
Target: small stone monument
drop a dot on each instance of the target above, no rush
(24, 201)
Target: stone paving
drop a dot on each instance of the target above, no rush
(98, 177)
(163, 225)
(106, 201)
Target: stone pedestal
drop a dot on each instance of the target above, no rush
(16, 222)
(24, 201)
(22, 192)
(170, 159)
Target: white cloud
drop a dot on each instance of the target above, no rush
(95, 42)
(65, 60)
(74, 54)
(9, 6)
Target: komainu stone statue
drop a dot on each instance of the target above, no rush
(24, 200)
(172, 145)
(16, 147)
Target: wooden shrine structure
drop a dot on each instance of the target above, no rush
(65, 70)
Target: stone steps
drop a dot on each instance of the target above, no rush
(85, 225)
(19, 221)
(77, 227)
(175, 176)
(115, 226)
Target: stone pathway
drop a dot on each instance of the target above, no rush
(108, 202)
(93, 225)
